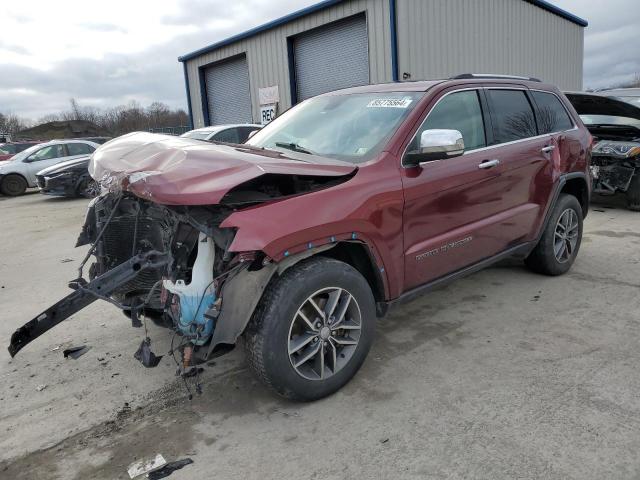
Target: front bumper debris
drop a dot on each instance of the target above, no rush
(85, 293)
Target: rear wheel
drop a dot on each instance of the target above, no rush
(312, 329)
(13, 185)
(558, 247)
(633, 192)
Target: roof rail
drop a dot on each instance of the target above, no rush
(463, 76)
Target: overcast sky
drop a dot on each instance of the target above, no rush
(105, 54)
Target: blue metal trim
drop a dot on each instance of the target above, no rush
(549, 7)
(186, 86)
(293, 85)
(393, 22)
(203, 96)
(267, 26)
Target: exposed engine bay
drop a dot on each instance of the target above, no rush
(167, 264)
(615, 156)
(614, 161)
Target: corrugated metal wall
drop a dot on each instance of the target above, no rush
(268, 58)
(441, 38)
(436, 39)
(332, 57)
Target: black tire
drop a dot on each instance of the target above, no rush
(13, 185)
(267, 338)
(543, 258)
(87, 188)
(633, 192)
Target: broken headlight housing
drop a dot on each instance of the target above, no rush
(617, 149)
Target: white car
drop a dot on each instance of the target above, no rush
(223, 133)
(19, 173)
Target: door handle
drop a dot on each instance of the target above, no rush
(548, 148)
(489, 163)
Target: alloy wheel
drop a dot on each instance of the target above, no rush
(324, 333)
(565, 237)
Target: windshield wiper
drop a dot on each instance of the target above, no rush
(294, 146)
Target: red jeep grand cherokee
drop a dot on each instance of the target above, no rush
(347, 203)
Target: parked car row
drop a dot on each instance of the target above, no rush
(61, 167)
(612, 117)
(8, 150)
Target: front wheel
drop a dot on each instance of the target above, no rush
(13, 185)
(558, 247)
(312, 329)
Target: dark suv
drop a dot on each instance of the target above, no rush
(344, 205)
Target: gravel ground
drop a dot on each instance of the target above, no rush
(502, 375)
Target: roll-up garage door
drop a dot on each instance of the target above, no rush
(228, 94)
(331, 57)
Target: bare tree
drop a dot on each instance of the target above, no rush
(114, 121)
(12, 123)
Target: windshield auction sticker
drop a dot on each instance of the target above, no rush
(390, 103)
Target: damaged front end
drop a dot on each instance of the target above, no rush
(159, 250)
(166, 263)
(613, 165)
(169, 264)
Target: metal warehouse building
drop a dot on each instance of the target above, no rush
(341, 43)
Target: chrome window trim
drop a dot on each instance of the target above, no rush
(489, 147)
(404, 152)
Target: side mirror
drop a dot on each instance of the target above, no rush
(436, 145)
(252, 133)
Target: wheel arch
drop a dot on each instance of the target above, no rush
(236, 311)
(359, 256)
(577, 186)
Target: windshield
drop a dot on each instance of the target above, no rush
(609, 120)
(198, 135)
(351, 127)
(25, 153)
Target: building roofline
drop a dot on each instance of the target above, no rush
(549, 7)
(329, 3)
(261, 28)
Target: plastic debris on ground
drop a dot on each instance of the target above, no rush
(142, 467)
(75, 352)
(169, 468)
(145, 356)
(41, 387)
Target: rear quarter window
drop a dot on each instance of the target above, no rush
(511, 115)
(551, 115)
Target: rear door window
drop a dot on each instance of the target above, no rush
(457, 111)
(511, 115)
(551, 115)
(79, 149)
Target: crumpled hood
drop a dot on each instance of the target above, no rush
(181, 171)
